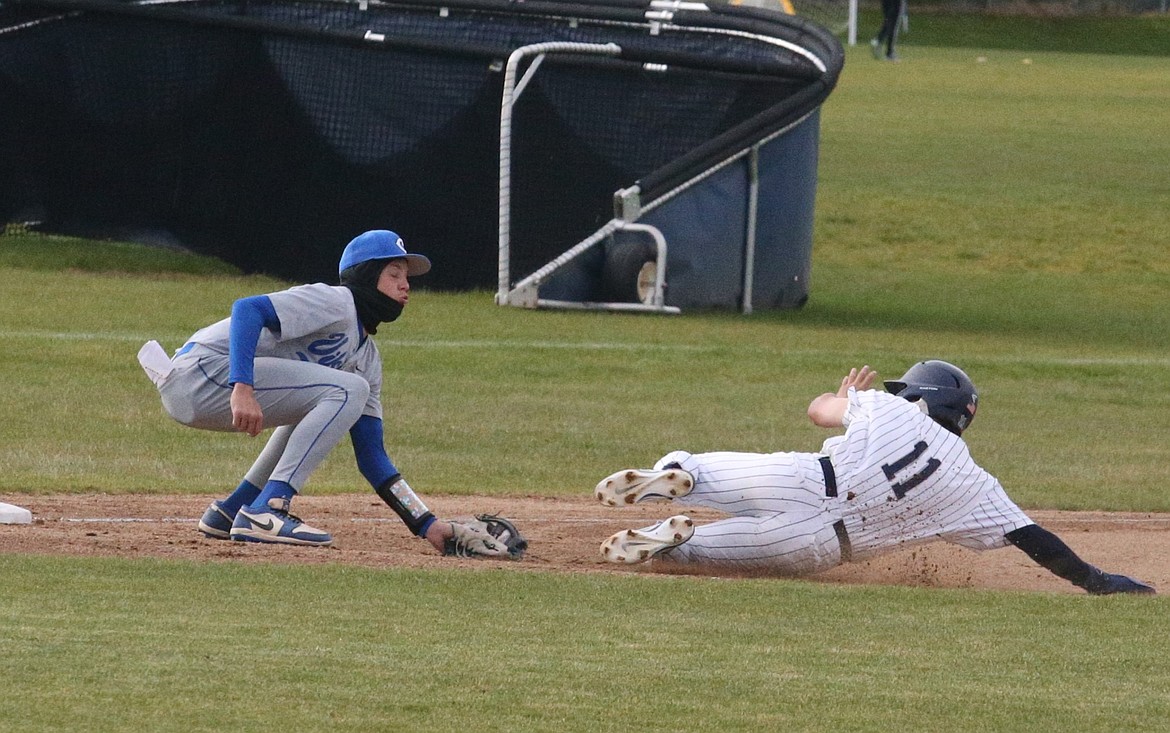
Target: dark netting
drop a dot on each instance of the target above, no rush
(574, 165)
(270, 133)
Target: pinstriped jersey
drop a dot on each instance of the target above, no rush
(904, 479)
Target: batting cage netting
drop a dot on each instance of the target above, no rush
(269, 132)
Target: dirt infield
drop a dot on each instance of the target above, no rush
(564, 535)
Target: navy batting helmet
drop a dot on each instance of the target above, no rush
(949, 394)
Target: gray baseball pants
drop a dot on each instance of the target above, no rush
(312, 407)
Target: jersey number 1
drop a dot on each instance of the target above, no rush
(893, 469)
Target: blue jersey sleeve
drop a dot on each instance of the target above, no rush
(249, 317)
(375, 465)
(370, 451)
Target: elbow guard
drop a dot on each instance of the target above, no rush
(401, 498)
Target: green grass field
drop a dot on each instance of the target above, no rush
(940, 27)
(1009, 216)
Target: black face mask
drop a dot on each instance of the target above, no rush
(373, 306)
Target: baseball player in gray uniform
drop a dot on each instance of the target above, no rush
(302, 360)
(900, 475)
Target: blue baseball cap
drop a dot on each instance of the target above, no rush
(381, 244)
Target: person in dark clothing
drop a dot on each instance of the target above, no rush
(892, 11)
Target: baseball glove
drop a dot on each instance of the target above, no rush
(488, 535)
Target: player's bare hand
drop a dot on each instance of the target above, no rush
(861, 379)
(438, 533)
(247, 415)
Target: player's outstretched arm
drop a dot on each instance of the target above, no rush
(370, 452)
(828, 410)
(1051, 553)
(484, 536)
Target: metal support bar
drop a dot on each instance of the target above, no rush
(538, 277)
(627, 203)
(658, 298)
(525, 292)
(753, 215)
(631, 307)
(511, 93)
(852, 32)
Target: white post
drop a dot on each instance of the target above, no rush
(753, 213)
(852, 22)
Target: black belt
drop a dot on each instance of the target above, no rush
(830, 476)
(839, 525)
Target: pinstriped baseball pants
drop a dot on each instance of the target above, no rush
(781, 521)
